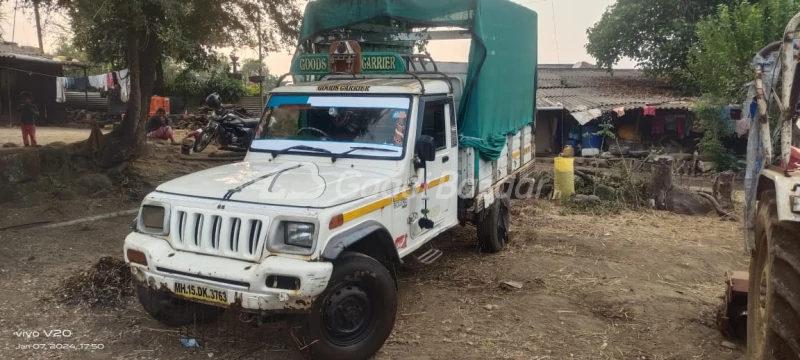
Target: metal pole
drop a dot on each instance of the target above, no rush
(8, 87)
(260, 63)
(14, 23)
(86, 89)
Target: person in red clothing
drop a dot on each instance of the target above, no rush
(27, 113)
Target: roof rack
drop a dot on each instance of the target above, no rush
(413, 62)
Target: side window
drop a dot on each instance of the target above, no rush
(453, 127)
(434, 123)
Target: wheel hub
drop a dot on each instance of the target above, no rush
(347, 315)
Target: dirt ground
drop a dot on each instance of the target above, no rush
(44, 135)
(638, 285)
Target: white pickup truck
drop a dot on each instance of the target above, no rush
(345, 179)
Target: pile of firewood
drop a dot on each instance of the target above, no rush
(200, 118)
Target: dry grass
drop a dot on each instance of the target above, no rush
(106, 283)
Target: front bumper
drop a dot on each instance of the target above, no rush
(243, 282)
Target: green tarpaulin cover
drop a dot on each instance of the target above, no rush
(500, 92)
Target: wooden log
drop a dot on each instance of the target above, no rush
(723, 190)
(660, 182)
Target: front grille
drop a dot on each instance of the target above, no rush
(239, 237)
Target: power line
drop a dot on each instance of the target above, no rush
(555, 31)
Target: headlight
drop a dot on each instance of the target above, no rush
(299, 234)
(152, 219)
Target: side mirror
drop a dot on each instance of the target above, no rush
(426, 148)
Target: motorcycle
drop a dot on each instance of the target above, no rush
(230, 130)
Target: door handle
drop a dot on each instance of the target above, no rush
(445, 159)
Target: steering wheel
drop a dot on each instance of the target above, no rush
(312, 129)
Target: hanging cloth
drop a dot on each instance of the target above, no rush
(80, 84)
(110, 80)
(61, 90)
(670, 123)
(99, 82)
(742, 127)
(620, 111)
(680, 125)
(124, 84)
(649, 111)
(658, 124)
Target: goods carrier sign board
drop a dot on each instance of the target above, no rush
(371, 63)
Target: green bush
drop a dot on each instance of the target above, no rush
(715, 127)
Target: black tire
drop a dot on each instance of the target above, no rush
(493, 234)
(172, 311)
(360, 288)
(205, 139)
(773, 314)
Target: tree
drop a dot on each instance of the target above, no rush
(140, 33)
(727, 42)
(37, 6)
(656, 33)
(66, 50)
(251, 67)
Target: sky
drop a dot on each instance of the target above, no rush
(562, 42)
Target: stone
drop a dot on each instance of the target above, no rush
(686, 202)
(57, 144)
(9, 145)
(619, 150)
(19, 165)
(705, 166)
(605, 192)
(607, 155)
(52, 160)
(728, 345)
(586, 199)
(92, 183)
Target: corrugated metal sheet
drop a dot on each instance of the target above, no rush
(252, 104)
(587, 93)
(77, 100)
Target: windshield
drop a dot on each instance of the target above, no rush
(350, 126)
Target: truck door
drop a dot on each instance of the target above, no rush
(436, 120)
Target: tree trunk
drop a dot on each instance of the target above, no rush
(661, 182)
(160, 86)
(127, 141)
(723, 190)
(38, 19)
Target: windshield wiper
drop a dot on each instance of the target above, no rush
(299, 147)
(356, 148)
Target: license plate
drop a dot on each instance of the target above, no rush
(200, 293)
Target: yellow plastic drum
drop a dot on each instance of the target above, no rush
(564, 186)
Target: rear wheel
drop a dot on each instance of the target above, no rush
(205, 139)
(355, 315)
(173, 311)
(493, 234)
(773, 326)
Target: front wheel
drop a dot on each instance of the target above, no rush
(493, 234)
(355, 315)
(205, 139)
(773, 306)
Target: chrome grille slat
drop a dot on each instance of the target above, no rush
(236, 236)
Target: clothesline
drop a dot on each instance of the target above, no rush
(54, 76)
(116, 84)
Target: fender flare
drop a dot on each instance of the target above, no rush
(341, 242)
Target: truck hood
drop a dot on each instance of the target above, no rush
(291, 184)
